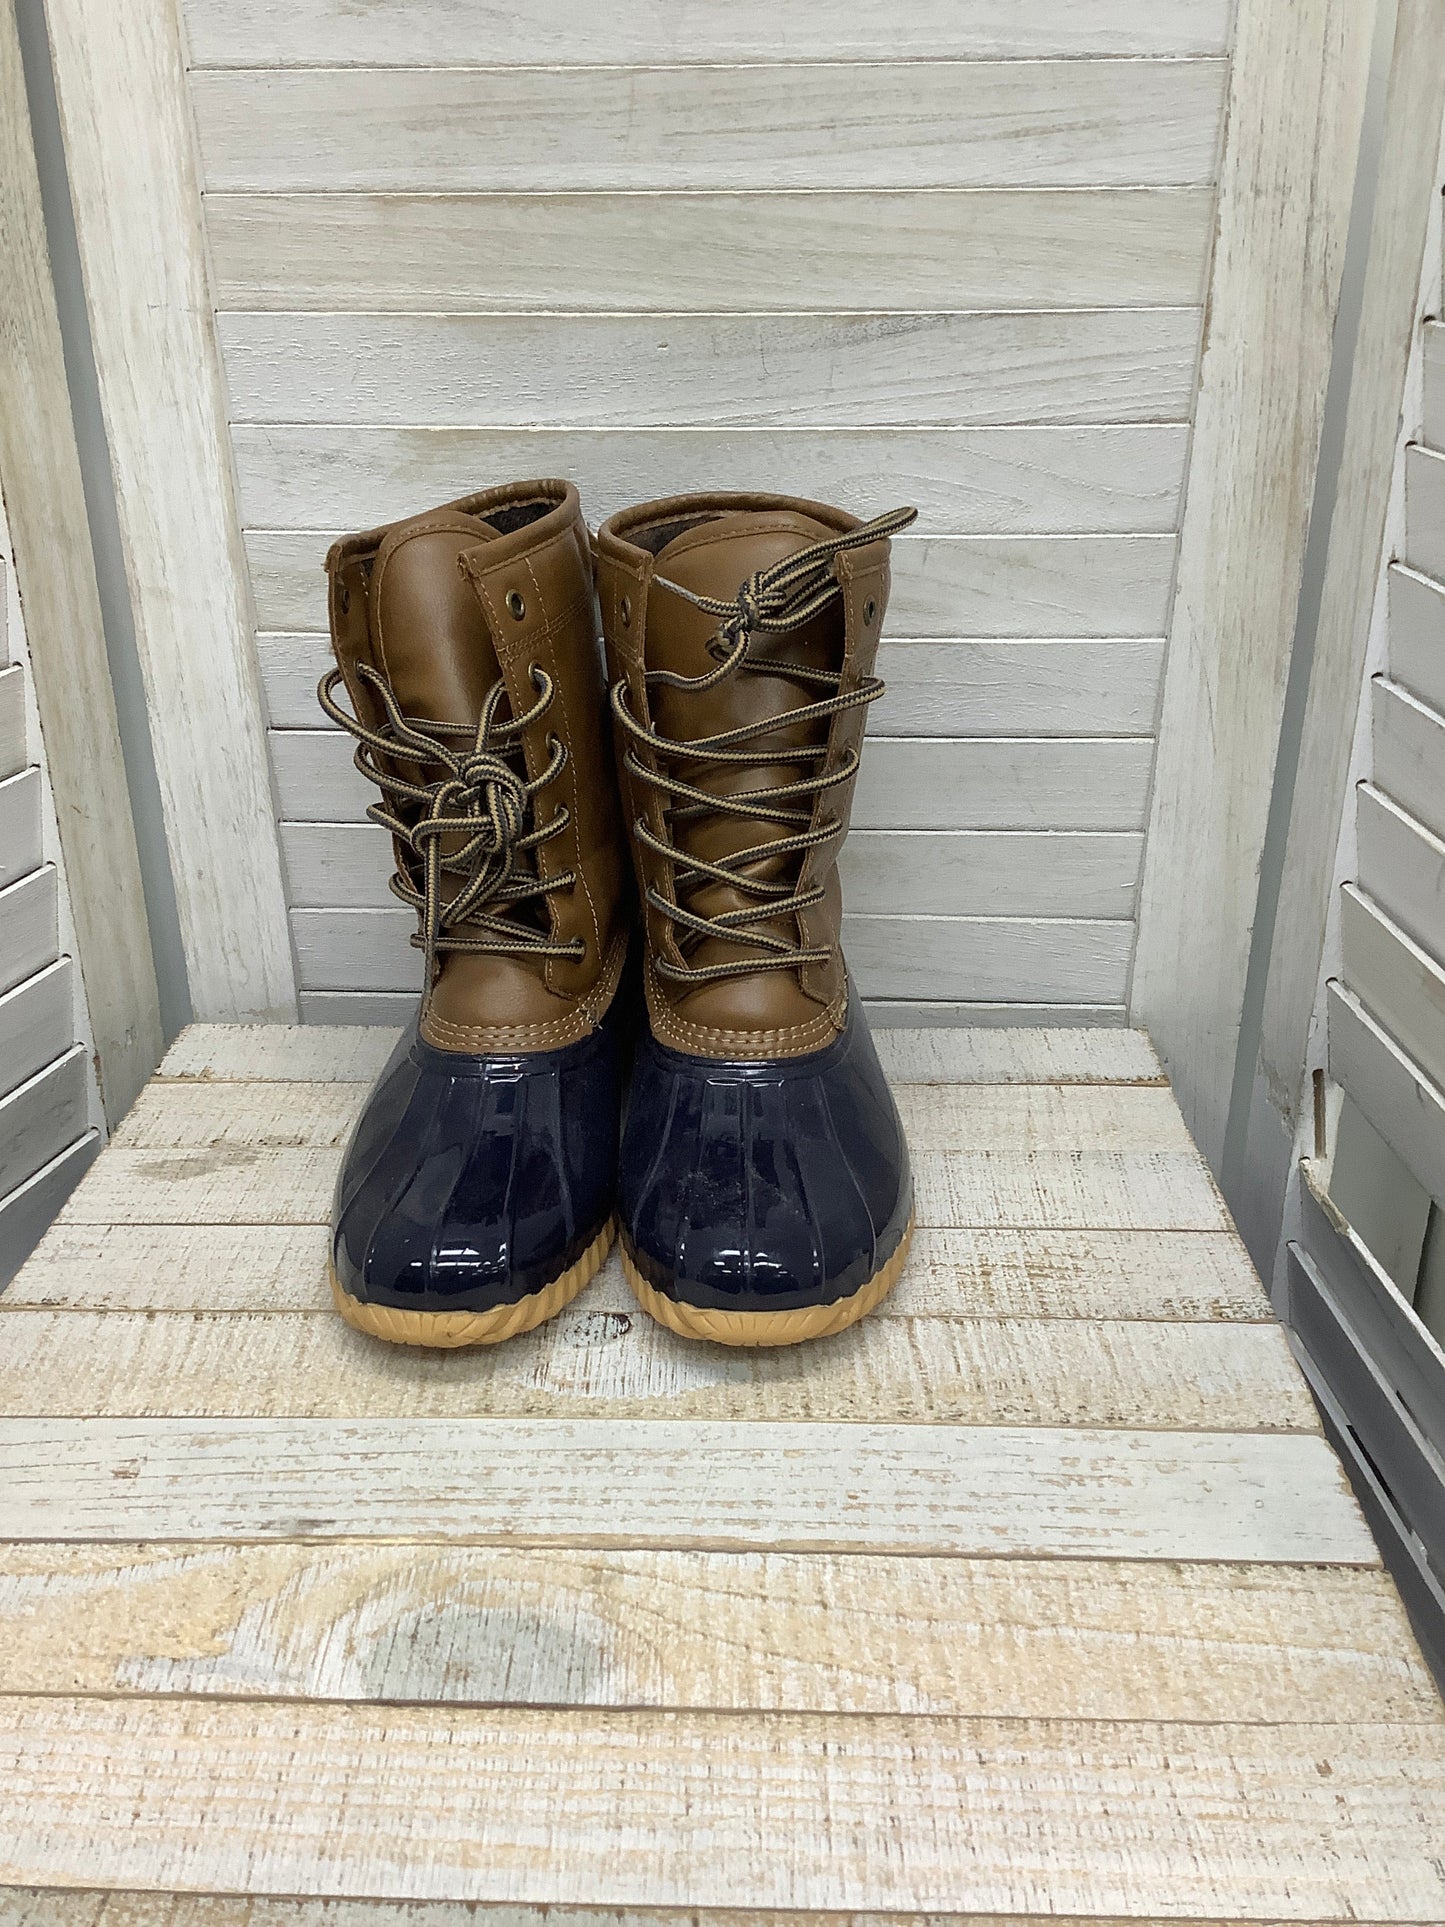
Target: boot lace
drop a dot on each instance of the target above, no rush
(480, 799)
(773, 602)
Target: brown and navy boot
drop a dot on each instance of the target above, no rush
(476, 1195)
(764, 1191)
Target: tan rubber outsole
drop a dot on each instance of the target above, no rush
(768, 1327)
(447, 1330)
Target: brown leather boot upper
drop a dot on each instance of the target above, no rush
(467, 637)
(741, 897)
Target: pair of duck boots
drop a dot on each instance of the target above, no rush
(728, 1115)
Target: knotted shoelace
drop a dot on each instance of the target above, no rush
(774, 602)
(478, 798)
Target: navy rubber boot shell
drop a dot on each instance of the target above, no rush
(474, 1184)
(755, 1188)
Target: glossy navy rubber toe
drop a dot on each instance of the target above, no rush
(471, 1182)
(763, 1186)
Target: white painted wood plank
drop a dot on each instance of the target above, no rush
(1401, 985)
(1435, 384)
(138, 219)
(63, 633)
(996, 1639)
(884, 252)
(997, 586)
(1052, 959)
(1003, 873)
(1394, 1094)
(922, 783)
(959, 686)
(29, 927)
(1279, 1498)
(1402, 865)
(1063, 1190)
(779, 1811)
(963, 481)
(41, 1116)
(896, 123)
(12, 721)
(26, 1213)
(1297, 91)
(1425, 511)
(1417, 634)
(1408, 738)
(1042, 1274)
(37, 1023)
(20, 850)
(325, 33)
(266, 1053)
(594, 1365)
(716, 370)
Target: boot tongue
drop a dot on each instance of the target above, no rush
(714, 559)
(430, 633)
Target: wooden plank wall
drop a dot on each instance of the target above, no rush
(953, 255)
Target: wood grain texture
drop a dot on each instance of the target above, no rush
(602, 1365)
(1392, 301)
(40, 1117)
(142, 250)
(29, 1209)
(773, 1809)
(956, 686)
(1402, 865)
(29, 927)
(20, 850)
(459, 1625)
(718, 370)
(1394, 1093)
(1019, 585)
(45, 511)
(1114, 1275)
(1005, 873)
(84, 1907)
(963, 481)
(248, 33)
(1057, 1492)
(36, 1023)
(880, 252)
(1050, 959)
(1417, 631)
(1408, 740)
(1296, 101)
(249, 1053)
(917, 783)
(878, 124)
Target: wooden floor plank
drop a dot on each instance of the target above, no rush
(1189, 1275)
(1065, 1190)
(336, 1053)
(1277, 1498)
(1013, 1638)
(658, 1809)
(603, 1364)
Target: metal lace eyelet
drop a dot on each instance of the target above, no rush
(625, 611)
(516, 607)
(870, 609)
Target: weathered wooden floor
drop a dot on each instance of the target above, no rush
(1038, 1596)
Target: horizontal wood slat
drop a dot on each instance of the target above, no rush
(965, 687)
(346, 865)
(40, 1117)
(1113, 1275)
(881, 252)
(1402, 985)
(998, 1639)
(37, 1023)
(20, 850)
(1020, 585)
(327, 33)
(880, 124)
(29, 926)
(1408, 738)
(1393, 1092)
(12, 721)
(1425, 511)
(1435, 384)
(963, 481)
(973, 958)
(1279, 1498)
(1402, 865)
(711, 370)
(26, 1213)
(1417, 634)
(923, 783)
(602, 1365)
